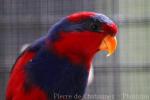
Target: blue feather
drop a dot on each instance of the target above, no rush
(56, 75)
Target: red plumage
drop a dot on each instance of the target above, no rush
(85, 55)
(77, 17)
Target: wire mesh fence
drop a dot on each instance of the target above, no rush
(123, 76)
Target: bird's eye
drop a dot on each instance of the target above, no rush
(94, 27)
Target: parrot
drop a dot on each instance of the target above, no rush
(57, 65)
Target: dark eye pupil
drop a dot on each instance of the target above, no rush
(94, 27)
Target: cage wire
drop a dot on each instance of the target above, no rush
(123, 76)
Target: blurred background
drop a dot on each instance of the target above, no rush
(123, 76)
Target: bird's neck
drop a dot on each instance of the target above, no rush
(74, 57)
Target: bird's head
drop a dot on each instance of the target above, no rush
(80, 35)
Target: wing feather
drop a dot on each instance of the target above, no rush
(15, 88)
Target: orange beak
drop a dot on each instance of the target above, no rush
(109, 44)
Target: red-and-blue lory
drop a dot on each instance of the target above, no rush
(56, 66)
